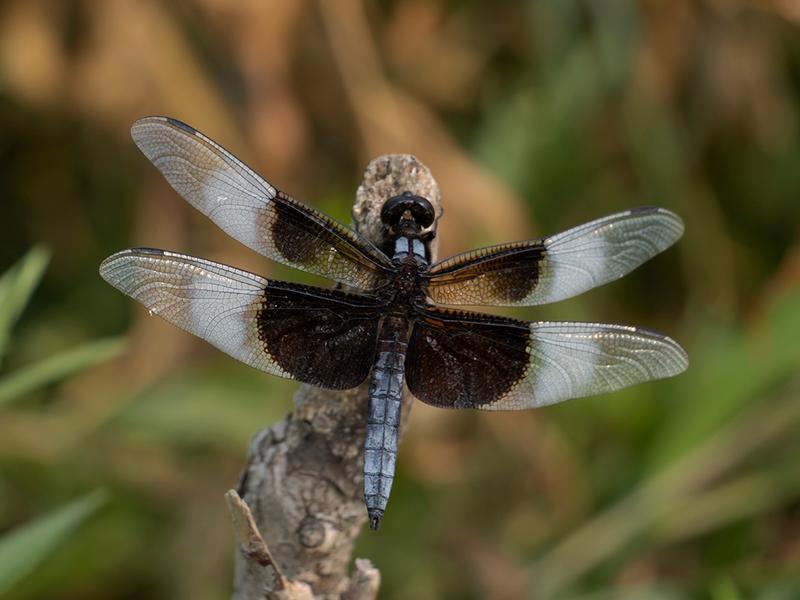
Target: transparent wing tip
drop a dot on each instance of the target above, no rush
(675, 359)
(671, 223)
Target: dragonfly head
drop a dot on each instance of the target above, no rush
(407, 207)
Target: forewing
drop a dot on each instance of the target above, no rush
(557, 267)
(459, 359)
(254, 212)
(323, 337)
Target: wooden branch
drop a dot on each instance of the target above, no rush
(263, 572)
(302, 489)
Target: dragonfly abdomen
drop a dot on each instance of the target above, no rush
(383, 417)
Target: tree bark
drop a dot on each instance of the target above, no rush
(300, 503)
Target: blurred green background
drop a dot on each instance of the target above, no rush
(120, 434)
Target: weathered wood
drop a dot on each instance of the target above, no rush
(302, 498)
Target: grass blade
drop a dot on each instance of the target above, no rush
(16, 286)
(27, 379)
(24, 548)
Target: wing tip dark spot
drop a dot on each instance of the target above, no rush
(163, 120)
(645, 210)
(146, 250)
(649, 332)
(180, 125)
(655, 210)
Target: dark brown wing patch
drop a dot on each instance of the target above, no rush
(322, 337)
(502, 275)
(465, 360)
(308, 239)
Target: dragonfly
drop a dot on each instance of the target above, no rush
(395, 315)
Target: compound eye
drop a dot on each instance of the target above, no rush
(394, 208)
(422, 211)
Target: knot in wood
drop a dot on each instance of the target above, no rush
(315, 534)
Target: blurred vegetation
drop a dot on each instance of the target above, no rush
(534, 116)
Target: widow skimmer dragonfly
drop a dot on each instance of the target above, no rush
(391, 328)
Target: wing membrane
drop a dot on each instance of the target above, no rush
(323, 337)
(557, 267)
(254, 212)
(495, 363)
